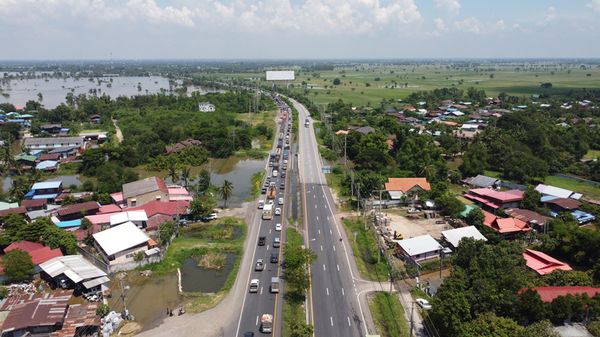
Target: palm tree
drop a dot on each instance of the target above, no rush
(173, 172)
(225, 191)
(185, 175)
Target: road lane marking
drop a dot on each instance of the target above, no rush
(338, 267)
(317, 218)
(343, 293)
(334, 248)
(324, 268)
(348, 320)
(267, 247)
(261, 290)
(321, 247)
(330, 232)
(319, 232)
(315, 206)
(331, 320)
(269, 231)
(327, 289)
(256, 321)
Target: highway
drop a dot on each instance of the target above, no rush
(265, 302)
(334, 307)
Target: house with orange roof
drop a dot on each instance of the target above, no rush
(38, 252)
(549, 294)
(543, 264)
(507, 227)
(409, 187)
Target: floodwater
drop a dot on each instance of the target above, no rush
(147, 298)
(54, 90)
(67, 181)
(239, 173)
(197, 279)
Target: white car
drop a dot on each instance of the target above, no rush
(277, 211)
(278, 227)
(423, 303)
(254, 285)
(280, 201)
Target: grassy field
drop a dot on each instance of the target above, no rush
(364, 248)
(388, 315)
(363, 84)
(588, 190)
(592, 154)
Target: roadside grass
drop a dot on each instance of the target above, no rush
(206, 243)
(256, 181)
(419, 293)
(588, 190)
(364, 248)
(294, 310)
(388, 315)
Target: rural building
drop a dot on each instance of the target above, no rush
(547, 190)
(508, 227)
(143, 191)
(559, 205)
(365, 130)
(78, 211)
(47, 166)
(419, 248)
(453, 236)
(36, 317)
(182, 145)
(7, 205)
(53, 143)
(52, 129)
(139, 218)
(543, 264)
(121, 243)
(549, 294)
(95, 119)
(406, 187)
(73, 272)
(481, 181)
(533, 219)
(45, 190)
(492, 199)
(206, 107)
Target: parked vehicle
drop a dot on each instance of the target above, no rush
(254, 283)
(423, 303)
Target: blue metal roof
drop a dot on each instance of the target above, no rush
(46, 185)
(69, 223)
(45, 196)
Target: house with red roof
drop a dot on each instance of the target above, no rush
(549, 294)
(409, 187)
(543, 264)
(38, 252)
(507, 227)
(492, 199)
(78, 211)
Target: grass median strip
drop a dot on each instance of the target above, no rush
(364, 248)
(388, 315)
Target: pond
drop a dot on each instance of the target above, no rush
(54, 90)
(197, 279)
(67, 181)
(148, 297)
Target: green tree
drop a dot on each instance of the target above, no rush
(203, 181)
(226, 190)
(336, 81)
(185, 175)
(202, 206)
(568, 278)
(102, 310)
(540, 329)
(489, 324)
(17, 265)
(474, 160)
(530, 307)
(166, 232)
(475, 217)
(449, 205)
(173, 171)
(531, 199)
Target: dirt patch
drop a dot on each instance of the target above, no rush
(212, 260)
(415, 225)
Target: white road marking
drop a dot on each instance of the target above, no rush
(348, 320)
(267, 247)
(315, 206)
(256, 321)
(319, 232)
(317, 218)
(331, 319)
(338, 267)
(324, 268)
(261, 290)
(334, 248)
(327, 289)
(330, 232)
(269, 231)
(321, 247)
(343, 293)
(325, 206)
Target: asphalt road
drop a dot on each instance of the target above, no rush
(334, 308)
(264, 302)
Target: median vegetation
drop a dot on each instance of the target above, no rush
(364, 248)
(388, 315)
(297, 261)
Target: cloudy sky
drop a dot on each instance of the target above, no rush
(274, 29)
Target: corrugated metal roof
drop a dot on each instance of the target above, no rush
(419, 245)
(453, 236)
(120, 238)
(96, 282)
(75, 267)
(46, 185)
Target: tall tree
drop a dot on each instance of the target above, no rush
(185, 175)
(17, 265)
(226, 190)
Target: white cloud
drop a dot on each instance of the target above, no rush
(595, 5)
(474, 25)
(451, 6)
(549, 16)
(440, 25)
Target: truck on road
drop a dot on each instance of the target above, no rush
(272, 191)
(274, 284)
(267, 212)
(266, 323)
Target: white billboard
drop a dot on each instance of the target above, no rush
(287, 75)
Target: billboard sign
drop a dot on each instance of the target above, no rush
(287, 75)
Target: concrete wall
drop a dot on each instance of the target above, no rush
(146, 198)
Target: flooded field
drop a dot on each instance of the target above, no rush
(197, 279)
(67, 181)
(54, 90)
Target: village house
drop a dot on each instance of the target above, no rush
(138, 218)
(549, 294)
(508, 227)
(38, 252)
(409, 188)
(182, 145)
(74, 272)
(54, 129)
(533, 219)
(206, 107)
(143, 191)
(547, 190)
(481, 181)
(48, 190)
(419, 248)
(453, 236)
(492, 199)
(543, 264)
(121, 244)
(53, 143)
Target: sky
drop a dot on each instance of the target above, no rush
(298, 29)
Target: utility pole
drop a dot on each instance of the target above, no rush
(345, 150)
(412, 323)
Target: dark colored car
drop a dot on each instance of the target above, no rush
(248, 334)
(262, 240)
(274, 257)
(263, 190)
